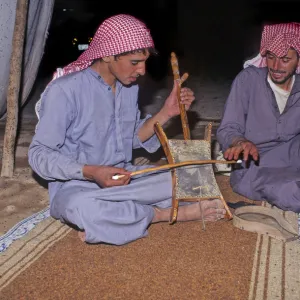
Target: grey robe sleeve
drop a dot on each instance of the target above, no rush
(232, 126)
(45, 155)
(152, 144)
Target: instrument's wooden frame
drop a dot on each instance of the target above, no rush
(175, 202)
(186, 131)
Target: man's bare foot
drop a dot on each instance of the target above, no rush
(81, 235)
(212, 210)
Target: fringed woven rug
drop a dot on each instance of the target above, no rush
(174, 262)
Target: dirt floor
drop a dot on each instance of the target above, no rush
(24, 194)
(21, 197)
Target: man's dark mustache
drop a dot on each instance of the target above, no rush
(277, 71)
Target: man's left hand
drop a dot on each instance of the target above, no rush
(171, 106)
(245, 147)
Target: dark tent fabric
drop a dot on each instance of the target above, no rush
(39, 18)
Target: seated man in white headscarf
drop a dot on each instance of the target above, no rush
(89, 123)
(261, 121)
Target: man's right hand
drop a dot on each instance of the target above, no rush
(102, 175)
(245, 147)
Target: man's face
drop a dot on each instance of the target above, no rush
(129, 67)
(281, 69)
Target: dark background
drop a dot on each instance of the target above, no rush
(211, 38)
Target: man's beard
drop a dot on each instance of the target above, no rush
(285, 79)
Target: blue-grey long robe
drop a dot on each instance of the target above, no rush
(251, 111)
(83, 122)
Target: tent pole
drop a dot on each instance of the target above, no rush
(13, 92)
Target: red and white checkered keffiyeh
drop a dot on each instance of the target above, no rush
(116, 35)
(278, 39)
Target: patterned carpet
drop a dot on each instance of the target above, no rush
(22, 229)
(174, 262)
(276, 266)
(25, 250)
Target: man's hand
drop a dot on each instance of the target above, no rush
(171, 107)
(245, 147)
(102, 175)
(169, 110)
